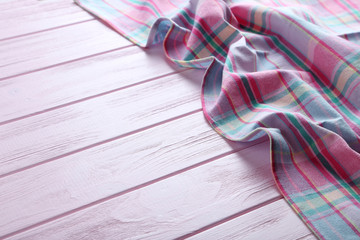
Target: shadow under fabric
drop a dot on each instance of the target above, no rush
(285, 69)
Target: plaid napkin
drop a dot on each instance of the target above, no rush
(288, 69)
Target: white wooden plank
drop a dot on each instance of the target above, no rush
(172, 207)
(19, 17)
(58, 132)
(46, 191)
(52, 47)
(38, 91)
(274, 221)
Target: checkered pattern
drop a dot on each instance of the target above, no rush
(285, 69)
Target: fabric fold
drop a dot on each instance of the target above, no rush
(289, 71)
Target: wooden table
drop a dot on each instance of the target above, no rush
(100, 139)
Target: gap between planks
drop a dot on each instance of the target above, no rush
(97, 120)
(88, 98)
(197, 110)
(38, 16)
(225, 190)
(168, 86)
(164, 82)
(50, 94)
(230, 218)
(80, 59)
(245, 195)
(270, 221)
(81, 78)
(50, 48)
(139, 131)
(97, 144)
(44, 30)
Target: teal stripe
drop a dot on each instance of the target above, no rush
(311, 143)
(343, 67)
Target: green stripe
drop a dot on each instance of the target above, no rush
(329, 93)
(310, 142)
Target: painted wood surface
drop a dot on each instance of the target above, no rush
(29, 16)
(274, 221)
(97, 120)
(52, 88)
(41, 50)
(102, 140)
(115, 168)
(182, 204)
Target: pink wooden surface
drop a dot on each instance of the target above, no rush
(103, 140)
(37, 16)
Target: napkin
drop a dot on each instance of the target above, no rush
(286, 69)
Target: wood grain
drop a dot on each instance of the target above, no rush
(172, 207)
(109, 169)
(102, 140)
(28, 16)
(39, 91)
(52, 47)
(274, 221)
(71, 128)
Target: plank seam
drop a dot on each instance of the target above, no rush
(47, 29)
(143, 185)
(306, 236)
(91, 97)
(231, 217)
(100, 143)
(67, 62)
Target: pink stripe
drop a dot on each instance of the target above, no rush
(317, 73)
(347, 10)
(140, 8)
(122, 12)
(322, 170)
(284, 193)
(327, 47)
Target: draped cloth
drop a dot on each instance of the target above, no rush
(286, 69)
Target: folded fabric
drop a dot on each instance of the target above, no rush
(288, 69)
